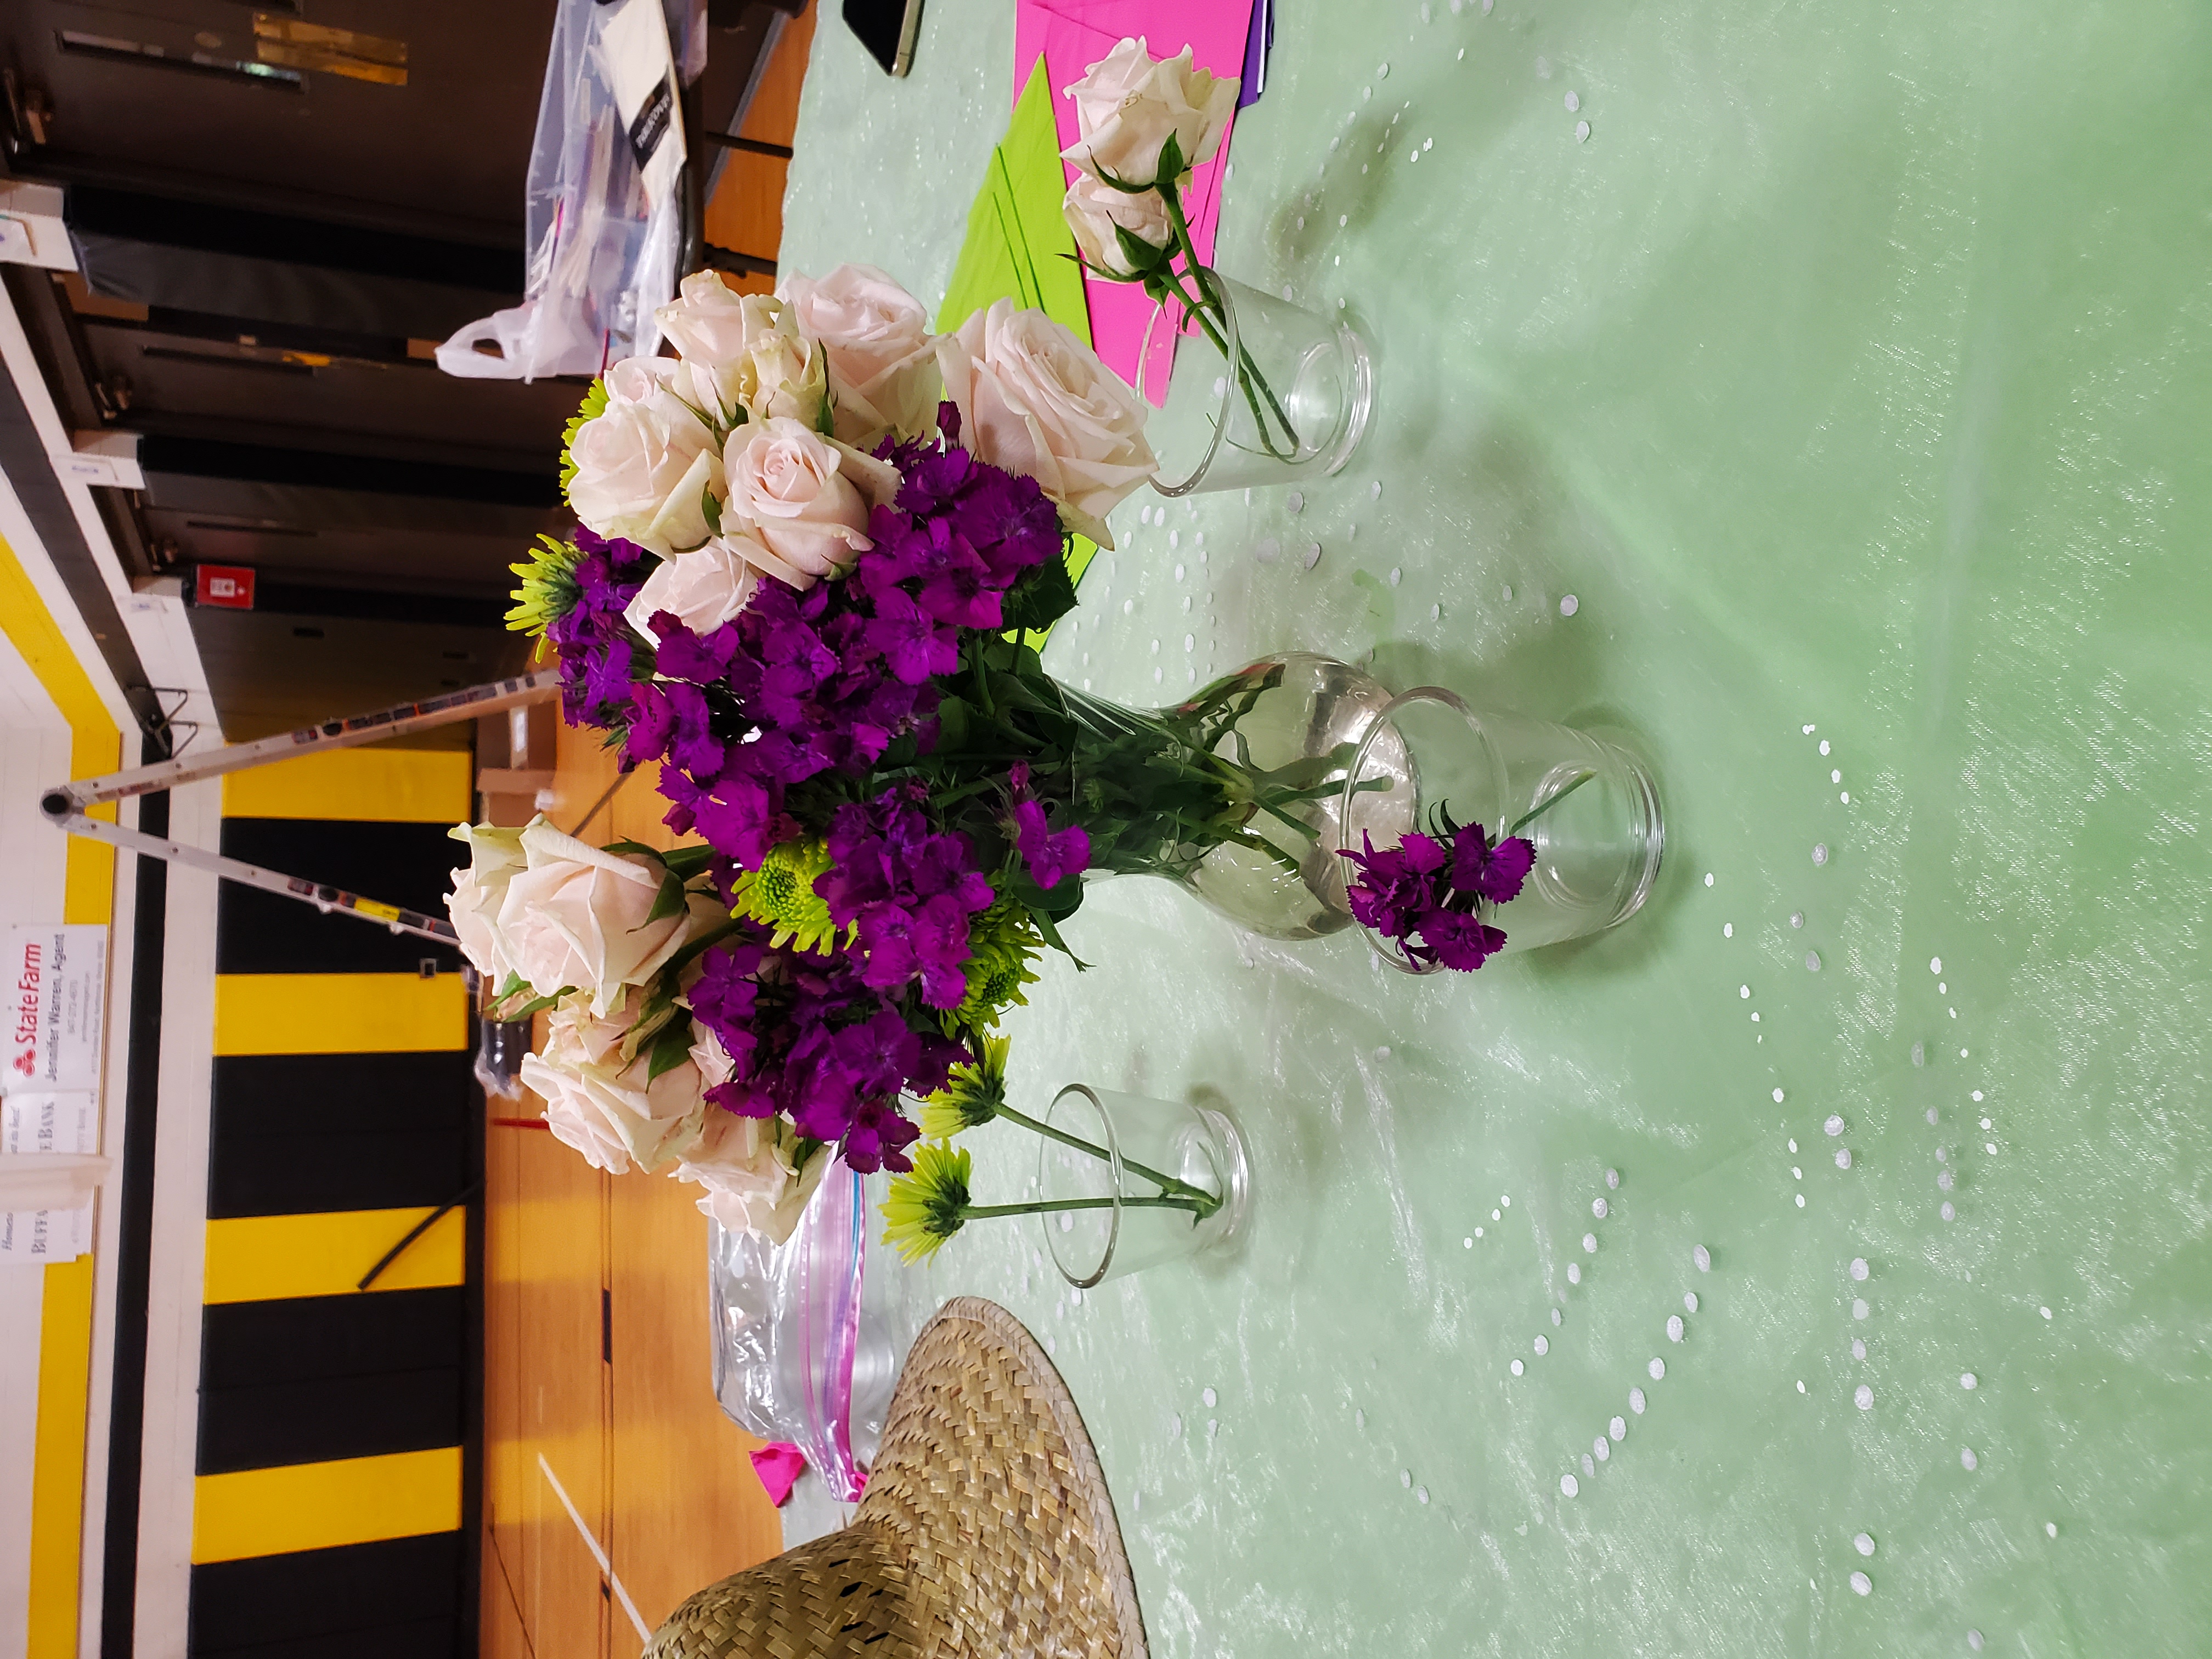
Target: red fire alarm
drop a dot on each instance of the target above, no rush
(230, 586)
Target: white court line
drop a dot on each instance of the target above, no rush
(597, 1555)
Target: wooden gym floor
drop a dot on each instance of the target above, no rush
(597, 1364)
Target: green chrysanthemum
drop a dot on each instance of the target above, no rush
(595, 405)
(972, 1093)
(1002, 943)
(929, 1205)
(781, 895)
(549, 590)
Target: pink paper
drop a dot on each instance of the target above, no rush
(1073, 35)
(779, 1465)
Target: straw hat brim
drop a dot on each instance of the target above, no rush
(987, 1528)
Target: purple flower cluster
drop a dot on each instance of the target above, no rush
(1427, 895)
(1052, 855)
(907, 893)
(595, 645)
(811, 1039)
(825, 680)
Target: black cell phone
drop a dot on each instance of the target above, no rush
(887, 29)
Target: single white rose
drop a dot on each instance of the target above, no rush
(1034, 399)
(644, 468)
(1130, 104)
(641, 380)
(611, 1112)
(881, 368)
(744, 1164)
(807, 497)
(743, 351)
(576, 916)
(1094, 211)
(702, 589)
(496, 857)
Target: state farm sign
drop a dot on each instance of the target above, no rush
(57, 1007)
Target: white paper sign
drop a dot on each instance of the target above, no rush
(33, 1123)
(56, 992)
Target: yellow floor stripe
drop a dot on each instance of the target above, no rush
(65, 1320)
(380, 786)
(319, 1506)
(261, 1258)
(339, 1013)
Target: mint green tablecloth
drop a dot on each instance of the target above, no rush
(1852, 376)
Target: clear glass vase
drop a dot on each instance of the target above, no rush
(1146, 1181)
(1585, 803)
(1234, 793)
(1258, 391)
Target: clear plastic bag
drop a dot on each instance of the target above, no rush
(806, 1349)
(603, 250)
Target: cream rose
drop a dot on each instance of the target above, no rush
(576, 917)
(744, 1164)
(1095, 212)
(644, 465)
(1130, 104)
(883, 371)
(1034, 399)
(496, 857)
(743, 352)
(807, 497)
(611, 1111)
(702, 589)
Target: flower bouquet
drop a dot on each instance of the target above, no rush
(818, 550)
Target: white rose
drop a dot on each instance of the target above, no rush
(611, 1112)
(743, 351)
(1129, 104)
(807, 497)
(644, 467)
(495, 858)
(876, 335)
(641, 380)
(576, 916)
(702, 589)
(744, 1164)
(1095, 210)
(1034, 399)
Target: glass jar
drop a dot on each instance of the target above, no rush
(1236, 793)
(1584, 802)
(1258, 391)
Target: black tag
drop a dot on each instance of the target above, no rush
(651, 126)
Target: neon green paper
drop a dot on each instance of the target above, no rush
(1018, 246)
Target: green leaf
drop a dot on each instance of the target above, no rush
(711, 510)
(688, 861)
(1140, 255)
(1052, 934)
(636, 849)
(669, 901)
(671, 1049)
(1040, 598)
(1172, 163)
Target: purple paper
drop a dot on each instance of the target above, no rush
(1258, 39)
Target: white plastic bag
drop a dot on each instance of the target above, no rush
(603, 249)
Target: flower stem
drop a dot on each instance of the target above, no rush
(1165, 1183)
(1545, 805)
(1246, 372)
(1047, 1206)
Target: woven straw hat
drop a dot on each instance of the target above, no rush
(987, 1528)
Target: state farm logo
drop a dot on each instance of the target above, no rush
(29, 978)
